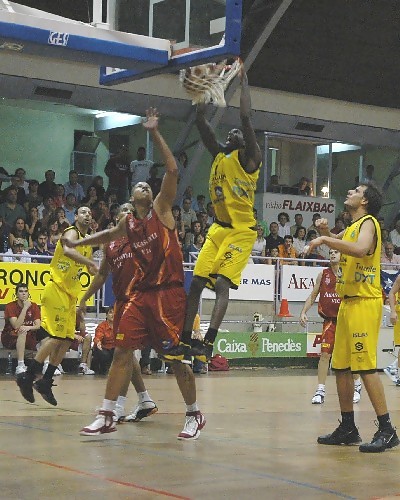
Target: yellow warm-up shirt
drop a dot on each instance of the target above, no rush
(232, 190)
(360, 276)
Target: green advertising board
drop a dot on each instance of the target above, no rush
(235, 345)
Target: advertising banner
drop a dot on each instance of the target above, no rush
(261, 345)
(298, 282)
(257, 283)
(273, 204)
(35, 276)
(314, 344)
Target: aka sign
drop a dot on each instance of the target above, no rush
(273, 204)
(298, 282)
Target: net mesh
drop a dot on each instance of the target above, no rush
(207, 83)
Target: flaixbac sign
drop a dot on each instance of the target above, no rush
(258, 345)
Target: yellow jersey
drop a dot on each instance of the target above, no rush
(360, 276)
(64, 271)
(232, 190)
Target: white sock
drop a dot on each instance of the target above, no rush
(21, 363)
(108, 405)
(193, 407)
(121, 401)
(144, 396)
(321, 387)
(357, 383)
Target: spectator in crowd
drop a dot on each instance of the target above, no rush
(273, 185)
(69, 208)
(22, 183)
(59, 199)
(385, 238)
(188, 194)
(304, 187)
(33, 198)
(210, 213)
(104, 344)
(140, 168)
(73, 186)
(299, 241)
(261, 223)
(101, 214)
(33, 224)
(259, 246)
(313, 227)
(287, 251)
(273, 256)
(17, 252)
(48, 187)
(389, 261)
(284, 225)
(63, 222)
(54, 232)
(311, 235)
(21, 196)
(182, 161)
(22, 320)
(369, 173)
(83, 342)
(381, 221)
(200, 204)
(46, 209)
(180, 226)
(18, 230)
(117, 170)
(298, 222)
(273, 239)
(194, 247)
(339, 225)
(346, 217)
(154, 181)
(4, 232)
(10, 210)
(395, 236)
(188, 215)
(40, 248)
(90, 200)
(98, 184)
(195, 228)
(202, 217)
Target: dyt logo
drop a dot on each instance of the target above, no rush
(57, 38)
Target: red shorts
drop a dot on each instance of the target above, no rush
(119, 308)
(9, 341)
(328, 336)
(152, 318)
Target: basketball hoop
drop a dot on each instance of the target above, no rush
(207, 83)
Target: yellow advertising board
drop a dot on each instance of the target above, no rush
(35, 276)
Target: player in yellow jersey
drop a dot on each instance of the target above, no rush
(359, 318)
(230, 239)
(58, 308)
(394, 302)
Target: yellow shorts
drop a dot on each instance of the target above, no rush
(357, 331)
(226, 252)
(58, 312)
(396, 331)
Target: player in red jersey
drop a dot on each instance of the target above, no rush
(118, 259)
(328, 307)
(155, 312)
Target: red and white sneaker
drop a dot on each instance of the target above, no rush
(194, 422)
(103, 424)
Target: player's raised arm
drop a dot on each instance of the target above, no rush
(97, 238)
(206, 132)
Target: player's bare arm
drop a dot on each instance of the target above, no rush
(97, 282)
(310, 300)
(96, 239)
(206, 132)
(392, 300)
(365, 244)
(252, 153)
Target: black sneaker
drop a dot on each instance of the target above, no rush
(382, 440)
(25, 383)
(180, 352)
(43, 387)
(341, 435)
(202, 351)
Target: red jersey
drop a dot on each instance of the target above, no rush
(13, 310)
(120, 258)
(157, 253)
(329, 300)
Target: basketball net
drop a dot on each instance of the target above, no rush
(207, 83)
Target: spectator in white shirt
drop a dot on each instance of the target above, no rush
(395, 236)
(74, 187)
(391, 260)
(284, 225)
(17, 252)
(140, 168)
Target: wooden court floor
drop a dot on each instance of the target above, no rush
(259, 443)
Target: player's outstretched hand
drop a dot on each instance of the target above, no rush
(151, 120)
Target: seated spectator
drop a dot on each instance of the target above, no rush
(180, 227)
(18, 230)
(194, 247)
(63, 222)
(303, 186)
(101, 214)
(54, 232)
(339, 226)
(200, 203)
(273, 239)
(114, 213)
(299, 241)
(195, 228)
(390, 261)
(188, 195)
(73, 186)
(298, 222)
(182, 162)
(313, 227)
(40, 248)
(4, 232)
(22, 183)
(21, 196)
(154, 181)
(273, 256)
(83, 342)
(210, 213)
(273, 185)
(22, 320)
(17, 253)
(10, 210)
(90, 200)
(384, 238)
(46, 210)
(202, 217)
(261, 223)
(48, 187)
(284, 225)
(70, 207)
(104, 344)
(98, 184)
(33, 198)
(287, 251)
(33, 224)
(395, 237)
(188, 215)
(59, 199)
(258, 249)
